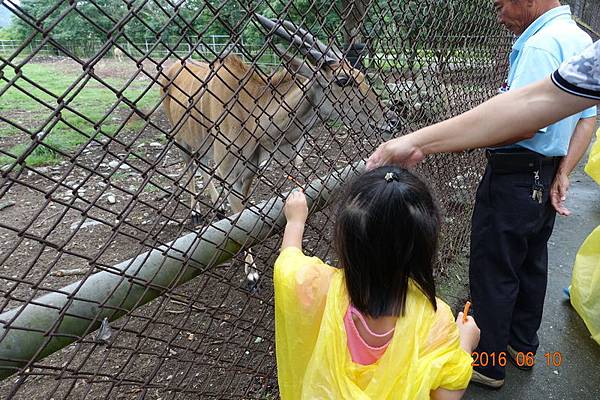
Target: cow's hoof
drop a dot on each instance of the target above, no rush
(197, 218)
(220, 213)
(253, 282)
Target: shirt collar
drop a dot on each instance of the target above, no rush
(540, 23)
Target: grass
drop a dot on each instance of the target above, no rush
(7, 130)
(31, 107)
(41, 155)
(151, 188)
(135, 155)
(119, 177)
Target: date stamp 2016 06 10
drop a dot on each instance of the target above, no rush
(484, 359)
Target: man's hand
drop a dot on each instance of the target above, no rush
(558, 193)
(400, 151)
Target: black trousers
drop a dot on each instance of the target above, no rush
(509, 262)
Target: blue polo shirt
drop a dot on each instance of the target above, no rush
(551, 39)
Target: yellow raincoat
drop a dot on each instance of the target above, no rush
(585, 286)
(313, 360)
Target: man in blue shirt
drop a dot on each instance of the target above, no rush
(514, 214)
(512, 227)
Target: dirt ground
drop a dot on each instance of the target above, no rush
(116, 198)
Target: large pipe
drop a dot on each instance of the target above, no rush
(55, 320)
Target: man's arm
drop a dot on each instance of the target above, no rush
(582, 136)
(504, 119)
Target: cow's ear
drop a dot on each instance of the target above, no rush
(295, 64)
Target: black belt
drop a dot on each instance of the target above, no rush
(503, 161)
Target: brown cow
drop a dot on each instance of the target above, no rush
(232, 114)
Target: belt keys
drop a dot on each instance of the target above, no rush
(537, 193)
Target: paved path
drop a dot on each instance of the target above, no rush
(562, 330)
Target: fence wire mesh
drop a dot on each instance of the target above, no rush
(125, 125)
(588, 13)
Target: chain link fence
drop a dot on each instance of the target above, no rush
(205, 47)
(143, 171)
(587, 12)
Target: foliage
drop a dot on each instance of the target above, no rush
(403, 21)
(411, 22)
(8, 33)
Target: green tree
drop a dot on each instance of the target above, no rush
(7, 33)
(385, 25)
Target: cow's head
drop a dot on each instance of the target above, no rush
(345, 94)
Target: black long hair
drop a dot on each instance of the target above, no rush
(386, 232)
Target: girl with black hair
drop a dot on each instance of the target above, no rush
(372, 329)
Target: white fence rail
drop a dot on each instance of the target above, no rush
(199, 48)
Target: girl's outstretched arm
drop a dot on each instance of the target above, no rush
(296, 213)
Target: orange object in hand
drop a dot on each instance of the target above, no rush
(296, 182)
(466, 311)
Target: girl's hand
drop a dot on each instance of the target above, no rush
(469, 333)
(296, 209)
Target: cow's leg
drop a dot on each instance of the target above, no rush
(241, 191)
(297, 149)
(250, 268)
(209, 183)
(191, 186)
(252, 275)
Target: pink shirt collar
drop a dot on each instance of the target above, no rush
(360, 351)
